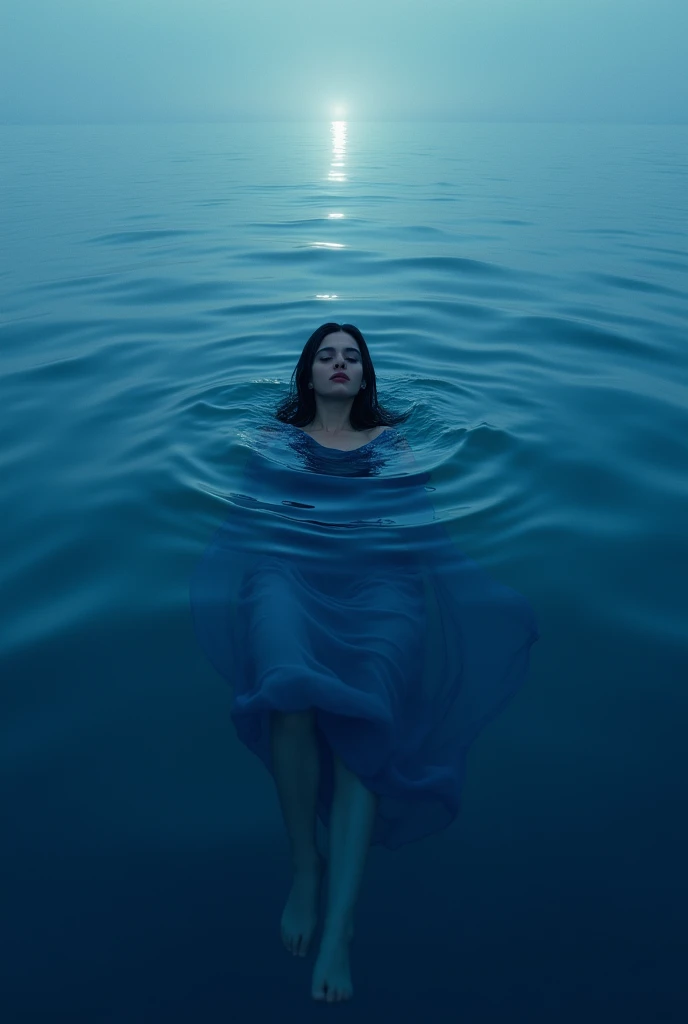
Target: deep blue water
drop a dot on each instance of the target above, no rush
(523, 288)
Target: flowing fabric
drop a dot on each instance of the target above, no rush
(331, 585)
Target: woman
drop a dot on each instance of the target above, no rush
(365, 651)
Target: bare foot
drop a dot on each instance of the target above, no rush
(300, 917)
(332, 973)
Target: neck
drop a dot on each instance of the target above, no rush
(332, 419)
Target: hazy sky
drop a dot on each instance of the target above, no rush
(142, 60)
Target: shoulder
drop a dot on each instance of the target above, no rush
(376, 431)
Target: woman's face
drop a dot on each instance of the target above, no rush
(338, 353)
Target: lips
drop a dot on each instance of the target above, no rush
(339, 376)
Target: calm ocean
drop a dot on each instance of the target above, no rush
(524, 288)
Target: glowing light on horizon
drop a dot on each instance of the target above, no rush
(335, 216)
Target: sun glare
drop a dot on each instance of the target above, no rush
(338, 131)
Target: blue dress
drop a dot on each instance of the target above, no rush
(332, 585)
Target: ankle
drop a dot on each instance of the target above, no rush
(338, 929)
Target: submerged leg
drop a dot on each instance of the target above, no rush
(296, 767)
(352, 817)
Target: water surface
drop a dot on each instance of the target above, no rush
(523, 289)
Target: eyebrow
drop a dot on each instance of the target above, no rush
(330, 348)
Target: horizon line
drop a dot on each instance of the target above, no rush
(11, 122)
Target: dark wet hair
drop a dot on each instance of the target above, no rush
(298, 407)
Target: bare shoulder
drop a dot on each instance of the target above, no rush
(376, 431)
